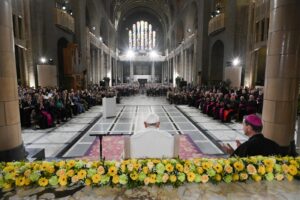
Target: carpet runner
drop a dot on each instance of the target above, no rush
(113, 147)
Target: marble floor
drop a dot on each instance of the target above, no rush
(72, 139)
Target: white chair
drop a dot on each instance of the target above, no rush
(151, 145)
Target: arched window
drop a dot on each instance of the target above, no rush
(142, 37)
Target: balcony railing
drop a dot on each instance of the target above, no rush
(64, 20)
(216, 24)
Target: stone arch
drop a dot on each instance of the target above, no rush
(217, 58)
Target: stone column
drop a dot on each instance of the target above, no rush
(102, 65)
(98, 65)
(153, 72)
(282, 72)
(11, 143)
(131, 72)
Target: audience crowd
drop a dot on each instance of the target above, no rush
(45, 107)
(218, 102)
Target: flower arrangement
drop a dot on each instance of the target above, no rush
(138, 172)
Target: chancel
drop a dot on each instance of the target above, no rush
(80, 78)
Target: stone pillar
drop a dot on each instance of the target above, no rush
(102, 65)
(11, 143)
(153, 72)
(131, 72)
(282, 72)
(98, 65)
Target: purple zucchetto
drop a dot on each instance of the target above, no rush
(253, 120)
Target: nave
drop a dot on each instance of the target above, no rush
(201, 136)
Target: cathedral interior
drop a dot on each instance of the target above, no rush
(59, 60)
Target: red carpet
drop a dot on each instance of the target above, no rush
(113, 148)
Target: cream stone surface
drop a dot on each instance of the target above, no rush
(8, 92)
(12, 112)
(10, 137)
(278, 132)
(7, 59)
(6, 39)
(249, 190)
(282, 72)
(283, 66)
(2, 114)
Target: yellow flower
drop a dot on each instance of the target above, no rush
(115, 179)
(169, 167)
(27, 181)
(179, 167)
(27, 173)
(285, 168)
(218, 168)
(61, 164)
(292, 170)
(152, 178)
(256, 177)
(20, 181)
(228, 169)
(251, 169)
(165, 178)
(44, 166)
(101, 170)
(74, 179)
(239, 165)
(146, 180)
(123, 168)
(36, 167)
(261, 170)
(243, 176)
(279, 177)
(7, 186)
(218, 177)
(134, 176)
(191, 177)
(71, 163)
(206, 165)
(87, 182)
(289, 177)
(96, 178)
(50, 169)
(253, 159)
(70, 173)
(145, 170)
(62, 180)
(204, 178)
(235, 177)
(269, 162)
(136, 166)
(112, 171)
(186, 169)
(156, 161)
(43, 182)
(173, 178)
(269, 169)
(294, 162)
(81, 174)
(200, 170)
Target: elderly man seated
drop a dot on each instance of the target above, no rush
(151, 142)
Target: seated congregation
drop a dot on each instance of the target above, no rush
(220, 103)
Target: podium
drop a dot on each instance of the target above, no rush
(109, 107)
